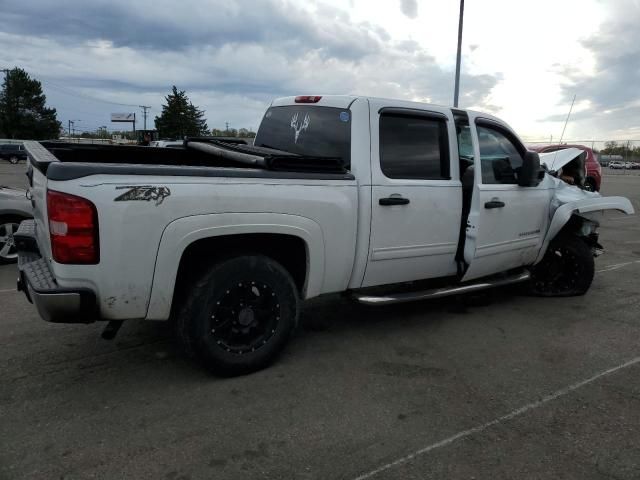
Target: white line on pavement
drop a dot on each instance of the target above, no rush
(8, 290)
(466, 433)
(616, 266)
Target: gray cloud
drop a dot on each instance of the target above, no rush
(613, 87)
(409, 8)
(162, 26)
(231, 65)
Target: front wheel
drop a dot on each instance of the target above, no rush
(567, 269)
(239, 315)
(13, 159)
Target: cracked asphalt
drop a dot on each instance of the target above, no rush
(358, 388)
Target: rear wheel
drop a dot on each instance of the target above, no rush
(239, 315)
(567, 269)
(8, 251)
(590, 185)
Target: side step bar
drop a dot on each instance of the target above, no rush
(441, 292)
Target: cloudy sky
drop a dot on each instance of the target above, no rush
(522, 61)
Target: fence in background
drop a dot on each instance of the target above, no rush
(89, 141)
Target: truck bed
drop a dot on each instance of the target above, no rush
(65, 161)
(142, 237)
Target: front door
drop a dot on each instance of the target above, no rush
(416, 206)
(506, 222)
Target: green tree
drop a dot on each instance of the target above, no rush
(23, 110)
(180, 118)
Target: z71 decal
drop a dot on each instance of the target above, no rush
(143, 192)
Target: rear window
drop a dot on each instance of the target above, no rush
(306, 130)
(414, 147)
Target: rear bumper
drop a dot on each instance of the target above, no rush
(54, 303)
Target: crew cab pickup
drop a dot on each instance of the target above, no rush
(387, 200)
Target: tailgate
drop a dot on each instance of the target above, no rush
(39, 159)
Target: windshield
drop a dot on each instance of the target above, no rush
(307, 130)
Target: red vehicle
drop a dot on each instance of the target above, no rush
(593, 175)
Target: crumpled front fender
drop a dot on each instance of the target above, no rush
(564, 212)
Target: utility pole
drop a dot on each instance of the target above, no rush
(72, 127)
(226, 127)
(144, 113)
(456, 88)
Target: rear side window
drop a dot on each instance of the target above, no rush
(414, 147)
(307, 130)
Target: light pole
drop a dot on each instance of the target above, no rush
(456, 88)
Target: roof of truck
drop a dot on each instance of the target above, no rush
(345, 101)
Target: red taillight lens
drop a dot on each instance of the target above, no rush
(308, 98)
(73, 226)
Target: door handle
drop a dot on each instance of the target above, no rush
(494, 204)
(394, 201)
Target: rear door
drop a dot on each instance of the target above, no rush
(416, 194)
(506, 221)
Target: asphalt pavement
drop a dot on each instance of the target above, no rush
(497, 386)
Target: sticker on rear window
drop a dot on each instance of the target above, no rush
(344, 116)
(299, 127)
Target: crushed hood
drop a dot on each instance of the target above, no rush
(558, 159)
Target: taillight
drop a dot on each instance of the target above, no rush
(73, 226)
(308, 98)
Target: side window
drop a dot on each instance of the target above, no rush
(499, 157)
(414, 147)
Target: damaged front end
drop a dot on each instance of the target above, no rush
(573, 209)
(565, 266)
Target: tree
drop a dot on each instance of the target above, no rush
(23, 111)
(180, 118)
(232, 132)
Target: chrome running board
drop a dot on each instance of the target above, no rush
(441, 292)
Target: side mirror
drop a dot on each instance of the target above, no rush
(529, 175)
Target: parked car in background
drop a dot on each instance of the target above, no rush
(167, 143)
(12, 152)
(615, 165)
(593, 170)
(14, 208)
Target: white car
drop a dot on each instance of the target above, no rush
(166, 143)
(615, 165)
(338, 194)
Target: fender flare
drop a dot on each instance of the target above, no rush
(566, 211)
(182, 232)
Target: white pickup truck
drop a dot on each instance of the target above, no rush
(388, 200)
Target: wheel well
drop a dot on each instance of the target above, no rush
(288, 250)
